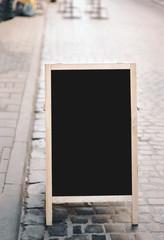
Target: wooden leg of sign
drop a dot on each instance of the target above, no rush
(135, 191)
(134, 210)
(49, 213)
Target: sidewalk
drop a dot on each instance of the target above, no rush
(20, 49)
(133, 32)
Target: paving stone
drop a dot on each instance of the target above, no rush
(119, 210)
(8, 123)
(156, 201)
(98, 237)
(10, 101)
(144, 236)
(144, 209)
(8, 115)
(114, 228)
(99, 219)
(7, 132)
(157, 209)
(37, 188)
(154, 227)
(141, 227)
(2, 181)
(119, 237)
(6, 142)
(158, 218)
(59, 230)
(94, 229)
(145, 218)
(104, 210)
(37, 164)
(76, 220)
(3, 166)
(35, 201)
(33, 232)
(122, 218)
(15, 172)
(6, 153)
(77, 229)
(54, 238)
(37, 176)
(59, 214)
(84, 211)
(38, 153)
(38, 135)
(34, 217)
(138, 237)
(78, 237)
(158, 236)
(40, 143)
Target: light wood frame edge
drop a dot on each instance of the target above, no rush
(83, 199)
(69, 66)
(134, 144)
(48, 145)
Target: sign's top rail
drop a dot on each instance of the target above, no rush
(69, 66)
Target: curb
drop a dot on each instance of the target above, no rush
(11, 200)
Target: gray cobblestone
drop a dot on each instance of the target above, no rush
(34, 217)
(35, 189)
(33, 232)
(37, 164)
(77, 220)
(77, 229)
(84, 211)
(99, 219)
(78, 237)
(59, 214)
(59, 230)
(98, 237)
(104, 210)
(35, 201)
(94, 229)
(37, 176)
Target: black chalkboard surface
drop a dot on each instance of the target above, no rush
(91, 132)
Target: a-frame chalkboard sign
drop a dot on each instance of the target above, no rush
(91, 134)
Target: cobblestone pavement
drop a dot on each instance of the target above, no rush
(133, 32)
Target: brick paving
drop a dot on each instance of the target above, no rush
(133, 32)
(16, 53)
(20, 44)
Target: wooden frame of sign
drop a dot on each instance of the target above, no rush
(50, 198)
